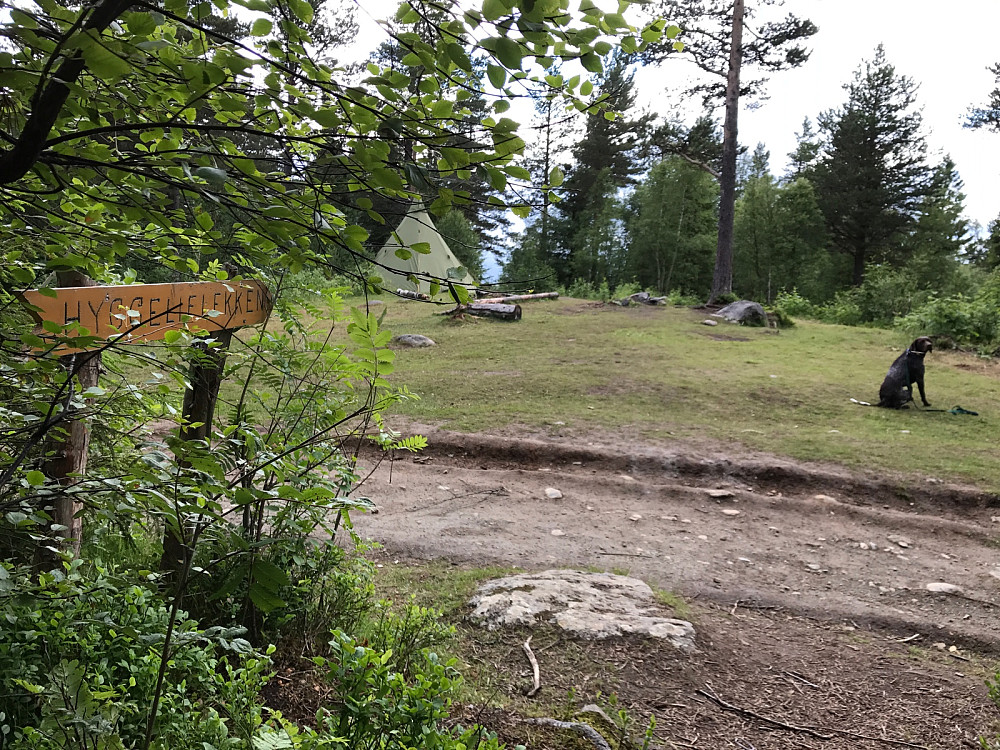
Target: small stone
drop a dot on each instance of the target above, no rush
(863, 545)
(635, 517)
(413, 339)
(557, 532)
(730, 512)
(559, 423)
(995, 519)
(814, 566)
(995, 572)
(710, 322)
(824, 498)
(719, 494)
(578, 463)
(938, 587)
(685, 520)
(552, 493)
(744, 560)
(443, 488)
(902, 541)
(814, 545)
(905, 432)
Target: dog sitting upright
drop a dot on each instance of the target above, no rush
(897, 388)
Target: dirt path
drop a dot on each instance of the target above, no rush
(752, 529)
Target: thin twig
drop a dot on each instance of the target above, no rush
(800, 678)
(535, 674)
(626, 554)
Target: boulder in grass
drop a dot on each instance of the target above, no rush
(413, 340)
(745, 312)
(587, 605)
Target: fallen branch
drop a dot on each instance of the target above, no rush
(585, 730)
(518, 297)
(753, 714)
(805, 730)
(535, 676)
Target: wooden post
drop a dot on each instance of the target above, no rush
(198, 411)
(69, 443)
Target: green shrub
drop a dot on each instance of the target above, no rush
(783, 319)
(380, 706)
(972, 322)
(80, 660)
(627, 290)
(678, 298)
(581, 289)
(795, 304)
(842, 309)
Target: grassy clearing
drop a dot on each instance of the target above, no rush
(659, 374)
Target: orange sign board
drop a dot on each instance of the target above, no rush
(145, 312)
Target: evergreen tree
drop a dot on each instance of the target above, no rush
(803, 158)
(700, 144)
(872, 175)
(941, 235)
(715, 41)
(552, 125)
(524, 270)
(463, 240)
(472, 189)
(991, 246)
(988, 116)
(671, 225)
(608, 157)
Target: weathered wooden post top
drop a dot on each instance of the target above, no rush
(145, 312)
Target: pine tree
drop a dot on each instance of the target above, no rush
(738, 64)
(802, 160)
(941, 235)
(608, 157)
(872, 175)
(551, 126)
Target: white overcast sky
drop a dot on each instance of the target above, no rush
(945, 47)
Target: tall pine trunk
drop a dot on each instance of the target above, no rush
(722, 279)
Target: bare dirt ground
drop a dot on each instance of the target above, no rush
(808, 584)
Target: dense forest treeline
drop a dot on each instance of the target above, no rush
(865, 226)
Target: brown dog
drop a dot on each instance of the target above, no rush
(897, 388)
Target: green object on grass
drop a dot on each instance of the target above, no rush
(960, 410)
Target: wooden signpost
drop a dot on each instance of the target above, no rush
(139, 314)
(145, 312)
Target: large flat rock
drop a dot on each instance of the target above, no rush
(588, 605)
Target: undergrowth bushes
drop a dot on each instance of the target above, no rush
(80, 662)
(888, 298)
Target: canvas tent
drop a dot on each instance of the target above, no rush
(417, 227)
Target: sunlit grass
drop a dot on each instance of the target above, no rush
(660, 374)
